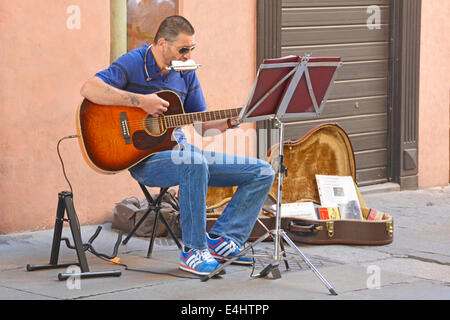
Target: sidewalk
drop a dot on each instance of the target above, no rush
(415, 266)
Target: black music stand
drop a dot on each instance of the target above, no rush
(285, 89)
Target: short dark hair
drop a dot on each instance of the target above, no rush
(172, 26)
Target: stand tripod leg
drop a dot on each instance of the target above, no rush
(274, 268)
(228, 262)
(324, 281)
(76, 233)
(87, 275)
(286, 264)
(281, 245)
(56, 243)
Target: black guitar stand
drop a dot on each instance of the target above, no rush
(65, 204)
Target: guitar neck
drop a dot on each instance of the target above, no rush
(177, 120)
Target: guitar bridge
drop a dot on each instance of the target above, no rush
(124, 127)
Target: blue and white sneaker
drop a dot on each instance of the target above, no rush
(221, 248)
(198, 261)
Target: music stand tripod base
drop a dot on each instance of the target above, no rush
(65, 205)
(273, 267)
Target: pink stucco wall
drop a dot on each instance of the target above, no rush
(44, 64)
(226, 47)
(226, 38)
(434, 94)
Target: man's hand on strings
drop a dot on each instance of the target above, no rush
(153, 104)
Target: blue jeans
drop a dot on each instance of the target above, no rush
(194, 170)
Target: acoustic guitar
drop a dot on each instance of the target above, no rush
(115, 138)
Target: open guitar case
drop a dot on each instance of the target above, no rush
(325, 149)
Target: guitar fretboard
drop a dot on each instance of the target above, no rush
(178, 120)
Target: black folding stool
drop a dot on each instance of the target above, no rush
(153, 205)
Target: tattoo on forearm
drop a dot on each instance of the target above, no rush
(108, 89)
(134, 100)
(127, 96)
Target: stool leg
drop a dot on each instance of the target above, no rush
(170, 231)
(155, 229)
(125, 241)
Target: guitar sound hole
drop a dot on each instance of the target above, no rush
(153, 127)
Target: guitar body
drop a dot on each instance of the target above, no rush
(115, 138)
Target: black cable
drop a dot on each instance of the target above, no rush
(147, 271)
(64, 170)
(60, 158)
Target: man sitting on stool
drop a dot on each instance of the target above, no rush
(132, 80)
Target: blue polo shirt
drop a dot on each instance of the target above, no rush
(128, 73)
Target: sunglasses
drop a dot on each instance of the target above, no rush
(185, 50)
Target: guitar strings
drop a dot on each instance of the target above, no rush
(221, 113)
(171, 121)
(165, 122)
(174, 118)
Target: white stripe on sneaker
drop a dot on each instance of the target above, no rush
(227, 252)
(225, 249)
(221, 246)
(193, 261)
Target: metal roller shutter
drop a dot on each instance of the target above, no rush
(358, 99)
